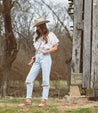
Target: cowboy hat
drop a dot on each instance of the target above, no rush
(39, 21)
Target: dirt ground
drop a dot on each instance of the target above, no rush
(65, 103)
(74, 103)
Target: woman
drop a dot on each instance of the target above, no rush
(45, 42)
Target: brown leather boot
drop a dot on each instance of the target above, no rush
(43, 103)
(25, 104)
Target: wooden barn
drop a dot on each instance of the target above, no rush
(84, 66)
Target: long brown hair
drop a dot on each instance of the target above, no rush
(45, 32)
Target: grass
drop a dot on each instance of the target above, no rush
(34, 109)
(81, 110)
(8, 105)
(16, 101)
(96, 107)
(18, 88)
(36, 82)
(59, 83)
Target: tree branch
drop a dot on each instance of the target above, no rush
(58, 19)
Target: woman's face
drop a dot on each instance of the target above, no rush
(38, 28)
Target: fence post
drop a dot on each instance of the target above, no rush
(76, 52)
(87, 44)
(77, 36)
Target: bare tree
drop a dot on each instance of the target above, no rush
(21, 15)
(10, 45)
(22, 18)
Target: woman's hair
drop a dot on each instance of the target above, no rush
(44, 31)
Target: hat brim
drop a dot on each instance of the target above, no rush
(39, 23)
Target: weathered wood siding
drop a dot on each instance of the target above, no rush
(0, 50)
(94, 68)
(87, 43)
(78, 5)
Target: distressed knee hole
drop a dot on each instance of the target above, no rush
(28, 83)
(45, 86)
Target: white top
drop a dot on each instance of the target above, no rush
(41, 45)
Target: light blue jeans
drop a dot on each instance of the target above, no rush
(42, 62)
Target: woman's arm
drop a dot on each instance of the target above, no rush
(35, 53)
(32, 59)
(55, 47)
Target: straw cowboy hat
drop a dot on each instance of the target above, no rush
(39, 21)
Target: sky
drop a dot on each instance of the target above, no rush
(67, 22)
(65, 1)
(61, 0)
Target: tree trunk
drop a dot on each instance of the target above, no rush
(5, 73)
(10, 46)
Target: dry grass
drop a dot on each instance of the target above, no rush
(9, 105)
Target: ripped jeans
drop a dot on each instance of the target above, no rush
(42, 62)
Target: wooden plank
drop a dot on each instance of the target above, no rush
(78, 5)
(96, 52)
(68, 70)
(96, 78)
(76, 78)
(94, 67)
(95, 58)
(0, 48)
(87, 43)
(96, 44)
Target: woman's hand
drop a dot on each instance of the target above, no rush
(44, 52)
(50, 50)
(32, 61)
